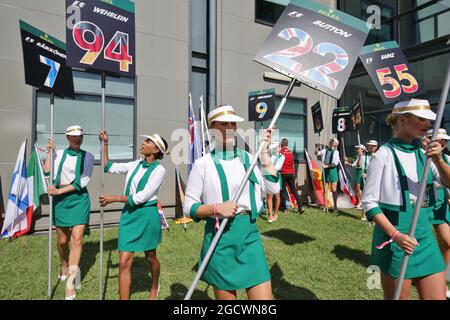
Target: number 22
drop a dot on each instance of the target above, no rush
(318, 74)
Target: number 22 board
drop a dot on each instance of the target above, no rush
(316, 45)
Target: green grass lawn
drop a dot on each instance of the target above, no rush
(313, 256)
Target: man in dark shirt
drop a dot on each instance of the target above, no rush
(288, 176)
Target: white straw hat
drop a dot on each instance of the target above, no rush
(361, 146)
(372, 143)
(74, 131)
(223, 114)
(156, 138)
(417, 107)
(442, 134)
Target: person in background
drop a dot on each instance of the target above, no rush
(440, 216)
(277, 160)
(361, 164)
(288, 176)
(372, 147)
(330, 161)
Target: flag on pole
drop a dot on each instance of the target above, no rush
(345, 185)
(204, 126)
(18, 210)
(195, 143)
(162, 217)
(316, 176)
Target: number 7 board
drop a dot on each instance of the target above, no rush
(316, 45)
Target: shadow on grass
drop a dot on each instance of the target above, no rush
(178, 291)
(289, 237)
(346, 253)
(347, 214)
(283, 290)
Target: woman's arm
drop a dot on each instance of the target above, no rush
(104, 137)
(434, 151)
(105, 200)
(51, 147)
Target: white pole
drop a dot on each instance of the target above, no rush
(423, 183)
(102, 188)
(237, 195)
(202, 127)
(50, 198)
(177, 170)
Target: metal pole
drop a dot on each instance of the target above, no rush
(102, 189)
(359, 138)
(50, 198)
(238, 194)
(423, 183)
(202, 125)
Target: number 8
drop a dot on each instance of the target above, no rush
(341, 125)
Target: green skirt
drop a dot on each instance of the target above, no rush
(359, 177)
(139, 228)
(238, 261)
(425, 260)
(440, 213)
(331, 175)
(71, 209)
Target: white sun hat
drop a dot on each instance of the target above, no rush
(224, 113)
(442, 134)
(74, 131)
(361, 146)
(372, 143)
(156, 138)
(418, 107)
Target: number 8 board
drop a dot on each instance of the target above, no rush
(101, 36)
(316, 45)
(388, 68)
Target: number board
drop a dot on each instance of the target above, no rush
(44, 60)
(341, 119)
(261, 105)
(316, 112)
(316, 45)
(101, 35)
(356, 117)
(388, 68)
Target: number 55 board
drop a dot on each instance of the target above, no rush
(316, 45)
(388, 68)
(101, 35)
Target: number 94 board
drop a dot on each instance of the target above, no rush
(316, 45)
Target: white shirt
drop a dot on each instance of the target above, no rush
(383, 183)
(69, 167)
(155, 181)
(365, 160)
(203, 184)
(327, 161)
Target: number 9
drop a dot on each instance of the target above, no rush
(93, 48)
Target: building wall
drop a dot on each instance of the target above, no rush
(162, 43)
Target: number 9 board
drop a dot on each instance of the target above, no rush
(316, 45)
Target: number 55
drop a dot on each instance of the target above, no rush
(383, 76)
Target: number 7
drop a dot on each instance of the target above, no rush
(53, 73)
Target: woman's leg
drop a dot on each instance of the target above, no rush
(76, 248)
(443, 235)
(125, 264)
(277, 206)
(262, 291)
(389, 284)
(432, 287)
(155, 269)
(225, 294)
(269, 207)
(335, 194)
(62, 237)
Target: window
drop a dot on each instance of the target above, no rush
(85, 111)
(291, 125)
(268, 12)
(199, 55)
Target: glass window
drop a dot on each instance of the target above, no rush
(199, 26)
(428, 22)
(85, 111)
(291, 125)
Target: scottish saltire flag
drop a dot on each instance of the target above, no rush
(162, 217)
(18, 211)
(195, 143)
